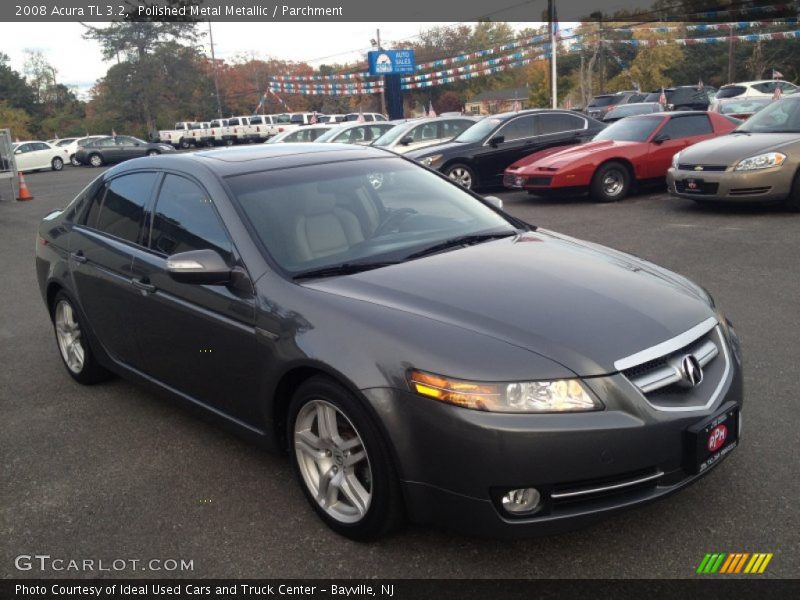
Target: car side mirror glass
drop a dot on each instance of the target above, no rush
(407, 140)
(494, 201)
(497, 140)
(17, 151)
(199, 267)
(661, 138)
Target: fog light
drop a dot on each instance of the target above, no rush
(521, 501)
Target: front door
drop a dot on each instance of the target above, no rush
(681, 131)
(197, 339)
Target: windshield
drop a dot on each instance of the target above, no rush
(480, 130)
(749, 105)
(392, 135)
(375, 210)
(782, 116)
(636, 129)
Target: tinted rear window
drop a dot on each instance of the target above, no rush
(604, 101)
(731, 91)
(122, 209)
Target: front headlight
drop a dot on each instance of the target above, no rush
(556, 396)
(762, 161)
(675, 159)
(431, 161)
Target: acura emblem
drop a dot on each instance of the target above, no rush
(698, 168)
(691, 370)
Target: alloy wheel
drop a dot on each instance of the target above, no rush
(96, 160)
(73, 160)
(613, 182)
(68, 334)
(461, 176)
(333, 461)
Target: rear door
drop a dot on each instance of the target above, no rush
(101, 256)
(682, 131)
(197, 339)
(129, 147)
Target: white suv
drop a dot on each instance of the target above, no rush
(755, 89)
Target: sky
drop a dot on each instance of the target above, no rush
(79, 64)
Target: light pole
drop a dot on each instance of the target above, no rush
(377, 44)
(214, 63)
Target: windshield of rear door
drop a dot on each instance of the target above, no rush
(381, 209)
(782, 116)
(632, 129)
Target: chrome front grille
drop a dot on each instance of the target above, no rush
(660, 374)
(667, 371)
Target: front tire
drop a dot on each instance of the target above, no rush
(341, 461)
(153, 153)
(73, 345)
(96, 160)
(57, 164)
(611, 182)
(462, 175)
(73, 160)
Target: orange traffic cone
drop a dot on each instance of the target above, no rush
(24, 194)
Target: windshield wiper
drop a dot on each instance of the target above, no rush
(343, 269)
(460, 241)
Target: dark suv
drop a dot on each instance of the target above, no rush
(600, 105)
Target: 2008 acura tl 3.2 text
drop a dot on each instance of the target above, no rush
(417, 351)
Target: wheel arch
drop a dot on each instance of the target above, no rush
(277, 411)
(621, 160)
(467, 163)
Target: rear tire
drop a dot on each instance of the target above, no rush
(73, 160)
(73, 345)
(184, 144)
(611, 182)
(57, 164)
(792, 201)
(342, 462)
(96, 160)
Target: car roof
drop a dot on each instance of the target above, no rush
(756, 81)
(225, 162)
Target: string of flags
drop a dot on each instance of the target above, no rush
(705, 27)
(751, 37)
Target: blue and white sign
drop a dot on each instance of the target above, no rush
(391, 62)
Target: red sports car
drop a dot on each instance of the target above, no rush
(631, 150)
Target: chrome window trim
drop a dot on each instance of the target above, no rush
(667, 347)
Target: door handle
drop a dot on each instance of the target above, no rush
(78, 257)
(143, 285)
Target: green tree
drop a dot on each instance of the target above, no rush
(14, 90)
(15, 119)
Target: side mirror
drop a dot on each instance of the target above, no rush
(496, 140)
(407, 140)
(661, 138)
(494, 201)
(17, 151)
(199, 267)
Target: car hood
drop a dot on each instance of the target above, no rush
(730, 149)
(579, 304)
(555, 158)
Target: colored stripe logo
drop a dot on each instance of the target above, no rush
(734, 563)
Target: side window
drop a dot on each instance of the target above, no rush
(185, 219)
(518, 128)
(122, 209)
(451, 129)
(41, 146)
(425, 132)
(559, 122)
(681, 127)
(255, 121)
(25, 148)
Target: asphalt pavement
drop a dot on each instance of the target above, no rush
(113, 472)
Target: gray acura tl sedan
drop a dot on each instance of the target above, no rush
(416, 351)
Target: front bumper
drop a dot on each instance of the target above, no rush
(455, 463)
(763, 185)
